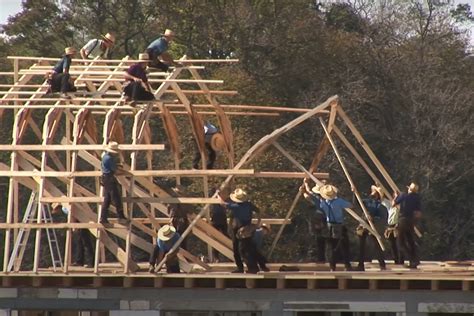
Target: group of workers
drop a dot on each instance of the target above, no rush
(137, 87)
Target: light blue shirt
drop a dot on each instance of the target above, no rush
(166, 246)
(209, 130)
(108, 164)
(159, 46)
(334, 210)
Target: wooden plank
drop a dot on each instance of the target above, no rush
(131, 61)
(126, 199)
(137, 173)
(58, 147)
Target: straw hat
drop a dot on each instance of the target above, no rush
(70, 51)
(328, 192)
(166, 232)
(316, 189)
(413, 187)
(238, 196)
(143, 57)
(55, 205)
(375, 189)
(109, 38)
(168, 32)
(218, 142)
(112, 147)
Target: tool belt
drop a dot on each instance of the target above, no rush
(360, 230)
(391, 231)
(246, 231)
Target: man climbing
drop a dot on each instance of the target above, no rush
(241, 213)
(138, 88)
(98, 47)
(377, 212)
(410, 212)
(214, 141)
(110, 168)
(59, 78)
(157, 50)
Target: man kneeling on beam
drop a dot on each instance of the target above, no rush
(138, 88)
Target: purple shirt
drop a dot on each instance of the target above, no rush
(137, 71)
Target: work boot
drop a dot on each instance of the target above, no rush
(360, 267)
(123, 220)
(151, 268)
(104, 221)
(238, 270)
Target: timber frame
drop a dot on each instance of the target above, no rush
(63, 165)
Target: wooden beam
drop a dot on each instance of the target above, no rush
(57, 147)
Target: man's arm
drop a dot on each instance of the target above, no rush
(256, 210)
(130, 77)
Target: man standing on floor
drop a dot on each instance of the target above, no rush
(241, 211)
(321, 229)
(110, 167)
(333, 207)
(391, 231)
(257, 239)
(377, 213)
(157, 50)
(410, 212)
(98, 47)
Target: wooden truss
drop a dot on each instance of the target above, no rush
(63, 164)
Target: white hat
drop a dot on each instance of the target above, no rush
(166, 232)
(112, 147)
(413, 187)
(168, 32)
(143, 57)
(238, 196)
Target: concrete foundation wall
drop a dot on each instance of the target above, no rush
(149, 301)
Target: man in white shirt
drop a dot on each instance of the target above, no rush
(98, 47)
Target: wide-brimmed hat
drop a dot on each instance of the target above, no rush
(168, 32)
(413, 187)
(143, 57)
(218, 142)
(166, 232)
(376, 189)
(109, 38)
(70, 51)
(328, 192)
(316, 189)
(238, 196)
(55, 205)
(112, 147)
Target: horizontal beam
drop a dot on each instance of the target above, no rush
(163, 200)
(136, 173)
(123, 147)
(127, 61)
(114, 224)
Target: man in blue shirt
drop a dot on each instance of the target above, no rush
(158, 50)
(320, 225)
(110, 183)
(333, 207)
(241, 212)
(377, 213)
(60, 77)
(257, 239)
(167, 237)
(138, 87)
(410, 212)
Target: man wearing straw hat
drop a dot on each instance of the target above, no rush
(410, 212)
(214, 141)
(60, 79)
(83, 250)
(241, 213)
(377, 212)
(158, 50)
(137, 86)
(98, 47)
(167, 237)
(320, 225)
(111, 186)
(333, 207)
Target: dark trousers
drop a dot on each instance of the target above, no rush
(406, 240)
(320, 248)
(236, 248)
(211, 157)
(111, 194)
(394, 249)
(249, 253)
(338, 242)
(222, 227)
(181, 224)
(82, 249)
(155, 62)
(135, 91)
(362, 247)
(172, 266)
(261, 260)
(60, 83)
